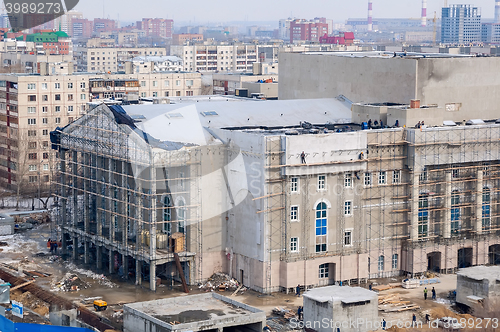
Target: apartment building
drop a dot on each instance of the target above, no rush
(213, 58)
(146, 64)
(33, 105)
(182, 38)
(110, 59)
(157, 27)
(302, 30)
(49, 43)
(279, 193)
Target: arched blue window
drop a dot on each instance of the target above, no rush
(321, 227)
(486, 208)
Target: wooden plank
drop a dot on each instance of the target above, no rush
(236, 291)
(22, 285)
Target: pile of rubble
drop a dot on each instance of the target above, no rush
(100, 278)
(220, 281)
(70, 283)
(33, 302)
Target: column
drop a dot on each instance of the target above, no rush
(111, 201)
(447, 204)
(74, 192)
(63, 198)
(152, 230)
(152, 275)
(86, 176)
(414, 206)
(478, 226)
(138, 272)
(98, 257)
(75, 248)
(111, 261)
(124, 204)
(86, 252)
(64, 248)
(125, 265)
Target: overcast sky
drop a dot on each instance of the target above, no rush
(203, 11)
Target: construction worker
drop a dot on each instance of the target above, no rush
(297, 290)
(303, 157)
(433, 293)
(425, 293)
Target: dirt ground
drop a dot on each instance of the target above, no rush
(28, 252)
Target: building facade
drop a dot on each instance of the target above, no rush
(253, 191)
(302, 30)
(460, 24)
(215, 58)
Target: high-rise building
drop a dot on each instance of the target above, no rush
(460, 24)
(81, 27)
(103, 24)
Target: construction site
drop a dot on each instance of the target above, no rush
(275, 193)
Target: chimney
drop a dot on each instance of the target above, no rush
(370, 22)
(423, 21)
(415, 103)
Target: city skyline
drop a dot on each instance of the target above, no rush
(219, 11)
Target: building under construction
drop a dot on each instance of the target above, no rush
(278, 193)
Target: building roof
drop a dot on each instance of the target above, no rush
(481, 272)
(191, 123)
(404, 55)
(343, 294)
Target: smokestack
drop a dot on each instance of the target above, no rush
(497, 11)
(424, 13)
(370, 22)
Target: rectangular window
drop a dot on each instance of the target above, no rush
(31, 97)
(347, 208)
(189, 82)
(70, 85)
(82, 85)
(294, 213)
(58, 109)
(31, 110)
(33, 179)
(57, 85)
(70, 108)
(294, 184)
(396, 177)
(44, 86)
(143, 94)
(189, 93)
(31, 86)
(45, 120)
(294, 244)
(45, 132)
(44, 109)
(57, 97)
(45, 97)
(32, 168)
(45, 155)
(166, 83)
(58, 120)
(323, 271)
(368, 179)
(82, 96)
(155, 83)
(143, 83)
(45, 167)
(321, 182)
(32, 122)
(155, 94)
(348, 238)
(31, 133)
(70, 97)
(455, 173)
(348, 180)
(32, 156)
(382, 177)
(181, 180)
(31, 145)
(177, 83)
(423, 176)
(166, 93)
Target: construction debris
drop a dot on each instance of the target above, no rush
(70, 282)
(220, 282)
(393, 302)
(284, 312)
(32, 302)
